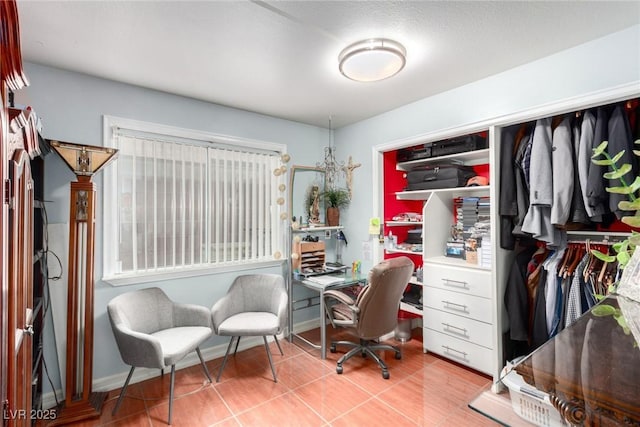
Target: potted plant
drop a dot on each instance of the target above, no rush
(335, 199)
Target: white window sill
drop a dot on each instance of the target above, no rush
(158, 276)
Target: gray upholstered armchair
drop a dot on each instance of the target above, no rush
(373, 313)
(255, 305)
(153, 332)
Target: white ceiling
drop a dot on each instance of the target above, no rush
(280, 57)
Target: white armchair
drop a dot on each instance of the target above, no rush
(153, 332)
(255, 305)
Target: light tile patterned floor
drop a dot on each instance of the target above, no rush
(423, 390)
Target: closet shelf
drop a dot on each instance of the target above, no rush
(600, 235)
(402, 251)
(458, 191)
(469, 158)
(410, 308)
(400, 223)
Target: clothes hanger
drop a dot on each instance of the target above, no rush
(580, 253)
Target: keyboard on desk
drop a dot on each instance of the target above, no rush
(326, 279)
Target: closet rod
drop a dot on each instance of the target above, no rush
(594, 242)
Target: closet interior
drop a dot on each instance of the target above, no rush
(555, 210)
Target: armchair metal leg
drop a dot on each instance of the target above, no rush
(173, 377)
(204, 366)
(273, 371)
(123, 391)
(236, 349)
(224, 361)
(275, 337)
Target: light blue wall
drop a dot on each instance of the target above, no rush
(602, 64)
(72, 105)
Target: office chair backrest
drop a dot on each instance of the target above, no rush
(379, 301)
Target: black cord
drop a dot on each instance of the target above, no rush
(46, 303)
(45, 241)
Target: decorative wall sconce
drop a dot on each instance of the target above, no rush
(84, 161)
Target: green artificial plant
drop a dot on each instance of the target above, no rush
(628, 186)
(624, 249)
(336, 198)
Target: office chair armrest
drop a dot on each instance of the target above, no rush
(191, 315)
(340, 296)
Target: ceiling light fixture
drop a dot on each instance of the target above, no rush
(372, 60)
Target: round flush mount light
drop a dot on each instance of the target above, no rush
(372, 60)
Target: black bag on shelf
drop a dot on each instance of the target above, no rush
(430, 177)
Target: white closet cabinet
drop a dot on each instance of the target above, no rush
(460, 301)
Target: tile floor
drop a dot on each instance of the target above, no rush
(423, 390)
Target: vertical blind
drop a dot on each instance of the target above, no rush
(183, 205)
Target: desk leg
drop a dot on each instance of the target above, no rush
(323, 329)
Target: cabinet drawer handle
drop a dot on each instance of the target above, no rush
(456, 283)
(459, 354)
(456, 306)
(455, 329)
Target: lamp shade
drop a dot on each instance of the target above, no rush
(84, 159)
(372, 60)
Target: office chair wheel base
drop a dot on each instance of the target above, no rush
(339, 369)
(385, 375)
(398, 355)
(332, 348)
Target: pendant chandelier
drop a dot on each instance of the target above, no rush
(330, 165)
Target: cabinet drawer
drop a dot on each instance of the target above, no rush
(458, 279)
(456, 303)
(459, 327)
(311, 246)
(464, 352)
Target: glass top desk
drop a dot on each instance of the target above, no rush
(331, 281)
(590, 370)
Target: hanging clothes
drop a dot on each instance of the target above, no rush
(578, 210)
(587, 131)
(598, 198)
(563, 176)
(508, 207)
(537, 221)
(619, 134)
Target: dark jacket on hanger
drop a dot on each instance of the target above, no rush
(516, 298)
(620, 139)
(578, 211)
(539, 333)
(508, 207)
(598, 198)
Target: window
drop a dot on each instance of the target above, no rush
(180, 201)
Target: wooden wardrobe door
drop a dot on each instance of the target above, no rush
(13, 78)
(4, 265)
(20, 290)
